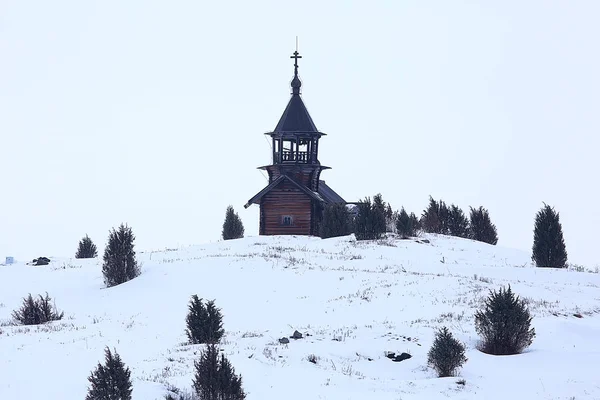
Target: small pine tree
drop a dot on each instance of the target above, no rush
(444, 215)
(458, 224)
(233, 228)
(405, 224)
(47, 311)
(28, 314)
(86, 249)
(549, 248)
(215, 377)
(336, 221)
(214, 323)
(446, 354)
(390, 219)
(504, 324)
(416, 223)
(369, 224)
(205, 380)
(434, 217)
(204, 322)
(111, 381)
(363, 225)
(38, 311)
(481, 227)
(379, 215)
(430, 220)
(120, 264)
(389, 214)
(230, 384)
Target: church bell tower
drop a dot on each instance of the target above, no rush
(292, 203)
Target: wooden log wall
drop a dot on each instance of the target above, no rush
(306, 175)
(286, 200)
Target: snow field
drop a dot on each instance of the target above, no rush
(356, 300)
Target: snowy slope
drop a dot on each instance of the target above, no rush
(355, 299)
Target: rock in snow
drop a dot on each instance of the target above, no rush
(401, 357)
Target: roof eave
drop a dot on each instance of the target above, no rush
(294, 165)
(294, 133)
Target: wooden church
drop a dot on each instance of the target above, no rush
(293, 201)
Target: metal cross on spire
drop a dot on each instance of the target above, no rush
(296, 81)
(296, 56)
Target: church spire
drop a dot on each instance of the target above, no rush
(296, 84)
(296, 119)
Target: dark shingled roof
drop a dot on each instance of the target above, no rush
(325, 194)
(296, 118)
(328, 194)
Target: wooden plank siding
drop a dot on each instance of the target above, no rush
(286, 200)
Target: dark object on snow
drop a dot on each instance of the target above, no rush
(41, 261)
(297, 335)
(284, 340)
(390, 355)
(401, 357)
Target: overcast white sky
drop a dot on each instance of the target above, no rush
(153, 113)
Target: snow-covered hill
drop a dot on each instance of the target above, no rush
(355, 300)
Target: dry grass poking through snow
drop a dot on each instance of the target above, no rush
(353, 301)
